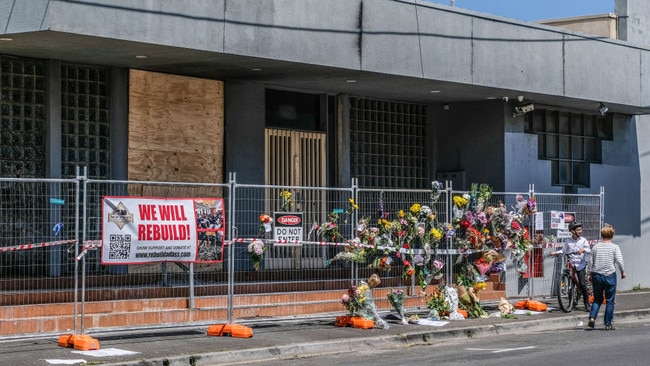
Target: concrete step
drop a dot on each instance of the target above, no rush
(59, 317)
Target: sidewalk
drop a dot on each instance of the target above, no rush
(279, 338)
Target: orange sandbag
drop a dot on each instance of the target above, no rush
(536, 305)
(343, 321)
(363, 323)
(523, 304)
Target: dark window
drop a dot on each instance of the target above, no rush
(571, 141)
(292, 111)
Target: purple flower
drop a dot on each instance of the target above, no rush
(418, 260)
(482, 217)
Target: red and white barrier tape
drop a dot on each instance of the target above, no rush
(36, 245)
(88, 244)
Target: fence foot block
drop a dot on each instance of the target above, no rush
(233, 330)
(82, 342)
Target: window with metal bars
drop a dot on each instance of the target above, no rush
(85, 121)
(388, 144)
(22, 118)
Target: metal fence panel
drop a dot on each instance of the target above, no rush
(45, 224)
(38, 236)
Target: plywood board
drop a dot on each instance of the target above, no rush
(176, 128)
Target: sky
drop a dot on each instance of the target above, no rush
(531, 10)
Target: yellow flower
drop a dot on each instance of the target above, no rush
(479, 286)
(460, 201)
(401, 213)
(362, 289)
(436, 233)
(415, 208)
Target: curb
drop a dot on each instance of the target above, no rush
(424, 337)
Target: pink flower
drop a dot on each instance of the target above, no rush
(438, 264)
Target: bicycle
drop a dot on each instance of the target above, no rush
(568, 288)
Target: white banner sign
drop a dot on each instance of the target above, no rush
(141, 230)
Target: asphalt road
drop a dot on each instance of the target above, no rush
(297, 339)
(627, 345)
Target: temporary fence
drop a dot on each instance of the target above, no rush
(51, 231)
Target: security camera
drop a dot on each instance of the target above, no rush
(522, 109)
(505, 99)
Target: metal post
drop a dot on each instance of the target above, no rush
(531, 257)
(354, 268)
(231, 250)
(83, 240)
(602, 206)
(76, 251)
(448, 265)
(191, 279)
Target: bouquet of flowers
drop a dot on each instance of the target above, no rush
(350, 210)
(396, 299)
(358, 302)
(437, 303)
(286, 201)
(436, 187)
(352, 253)
(330, 230)
(355, 299)
(256, 251)
(265, 224)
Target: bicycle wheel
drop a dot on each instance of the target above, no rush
(566, 293)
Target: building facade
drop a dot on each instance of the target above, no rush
(396, 93)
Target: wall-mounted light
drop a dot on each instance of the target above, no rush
(603, 109)
(523, 109)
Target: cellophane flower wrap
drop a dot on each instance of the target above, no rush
(359, 302)
(396, 299)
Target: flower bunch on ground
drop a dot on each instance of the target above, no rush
(396, 299)
(354, 300)
(437, 302)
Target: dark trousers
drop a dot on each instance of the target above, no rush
(583, 285)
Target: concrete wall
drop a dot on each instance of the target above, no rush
(470, 138)
(402, 38)
(522, 166)
(634, 26)
(244, 142)
(604, 25)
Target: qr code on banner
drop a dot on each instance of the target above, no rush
(119, 246)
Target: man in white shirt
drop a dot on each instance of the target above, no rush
(576, 246)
